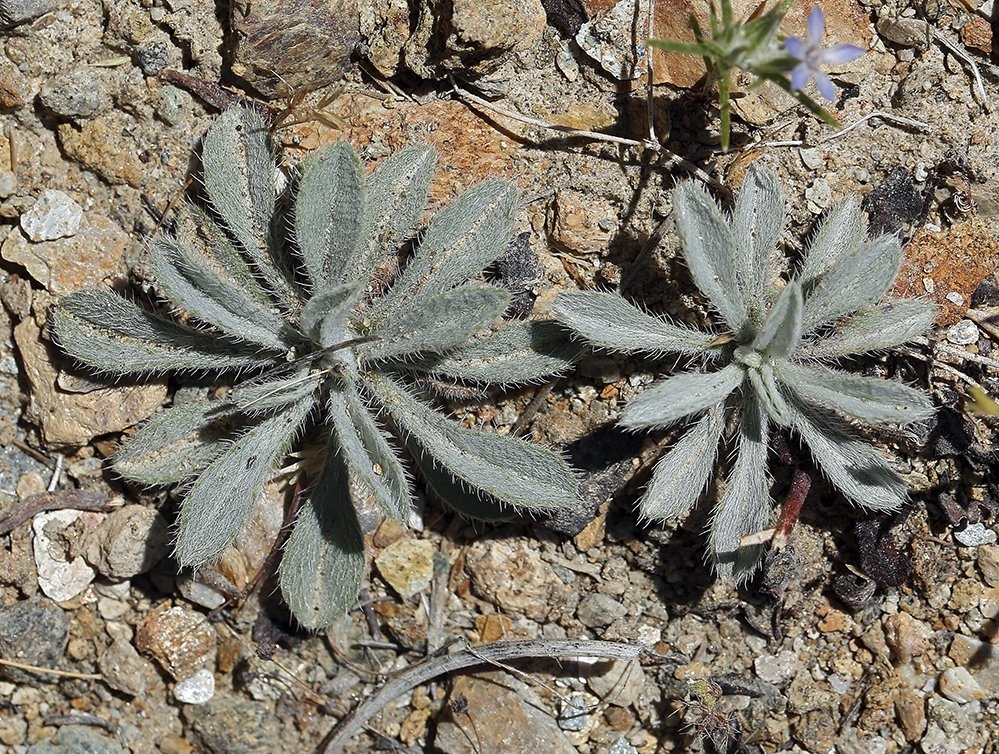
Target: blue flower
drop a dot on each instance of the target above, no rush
(813, 56)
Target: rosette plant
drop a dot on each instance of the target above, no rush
(319, 336)
(769, 364)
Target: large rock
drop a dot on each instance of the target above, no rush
(282, 46)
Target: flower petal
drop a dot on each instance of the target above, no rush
(838, 54)
(800, 75)
(825, 85)
(816, 26)
(796, 48)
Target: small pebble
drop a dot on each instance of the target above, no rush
(34, 632)
(988, 563)
(73, 94)
(955, 298)
(128, 542)
(574, 714)
(777, 668)
(77, 739)
(964, 333)
(597, 610)
(620, 684)
(811, 158)
(123, 668)
(152, 57)
(197, 689)
(53, 215)
(8, 183)
(958, 685)
(17, 12)
(819, 193)
(407, 566)
(622, 746)
(179, 639)
(974, 535)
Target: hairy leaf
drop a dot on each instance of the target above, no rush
(781, 331)
(323, 562)
(757, 221)
(455, 495)
(324, 317)
(709, 248)
(114, 336)
(873, 330)
(328, 211)
(852, 466)
(437, 323)
(512, 471)
(198, 231)
(746, 507)
(270, 392)
(191, 283)
(840, 235)
(681, 474)
(520, 352)
(238, 173)
(769, 395)
(866, 399)
(395, 196)
(606, 320)
(175, 444)
(370, 458)
(219, 503)
(680, 396)
(859, 280)
(462, 240)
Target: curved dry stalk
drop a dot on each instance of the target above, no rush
(438, 665)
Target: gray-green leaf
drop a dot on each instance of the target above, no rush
(323, 562)
(866, 399)
(841, 234)
(709, 248)
(518, 353)
(462, 239)
(857, 281)
(370, 458)
(511, 470)
(853, 467)
(757, 221)
(681, 474)
(746, 507)
(436, 323)
(238, 173)
(219, 503)
(606, 320)
(175, 444)
(873, 330)
(328, 211)
(681, 395)
(114, 336)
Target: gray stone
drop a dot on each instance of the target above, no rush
(502, 714)
(77, 739)
(152, 57)
(54, 215)
(128, 542)
(74, 94)
(574, 714)
(123, 668)
(596, 610)
(958, 685)
(952, 727)
(229, 724)
(964, 333)
(198, 689)
(975, 535)
(34, 632)
(17, 12)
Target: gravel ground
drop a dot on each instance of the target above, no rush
(881, 636)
